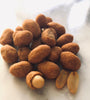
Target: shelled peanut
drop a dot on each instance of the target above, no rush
(45, 44)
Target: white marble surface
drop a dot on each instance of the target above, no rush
(75, 16)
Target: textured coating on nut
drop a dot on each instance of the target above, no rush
(72, 47)
(19, 28)
(58, 28)
(32, 26)
(23, 53)
(36, 43)
(20, 69)
(55, 54)
(64, 39)
(70, 61)
(49, 69)
(49, 19)
(23, 38)
(41, 20)
(14, 34)
(30, 76)
(6, 37)
(48, 36)
(39, 53)
(9, 54)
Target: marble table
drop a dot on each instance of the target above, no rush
(75, 16)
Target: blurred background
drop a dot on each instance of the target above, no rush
(70, 13)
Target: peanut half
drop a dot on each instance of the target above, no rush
(73, 82)
(62, 79)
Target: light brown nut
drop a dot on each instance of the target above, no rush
(72, 47)
(73, 82)
(33, 81)
(55, 54)
(39, 53)
(6, 37)
(48, 36)
(32, 26)
(20, 69)
(64, 39)
(23, 53)
(14, 34)
(36, 43)
(58, 28)
(62, 79)
(9, 54)
(49, 19)
(49, 69)
(41, 20)
(19, 28)
(23, 38)
(70, 61)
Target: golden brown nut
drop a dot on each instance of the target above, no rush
(9, 54)
(36, 43)
(72, 47)
(73, 82)
(49, 19)
(19, 28)
(23, 53)
(39, 53)
(70, 61)
(64, 39)
(48, 36)
(6, 37)
(20, 69)
(58, 28)
(14, 34)
(49, 69)
(62, 79)
(23, 38)
(41, 20)
(55, 54)
(32, 26)
(35, 80)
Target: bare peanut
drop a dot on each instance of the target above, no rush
(73, 82)
(62, 79)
